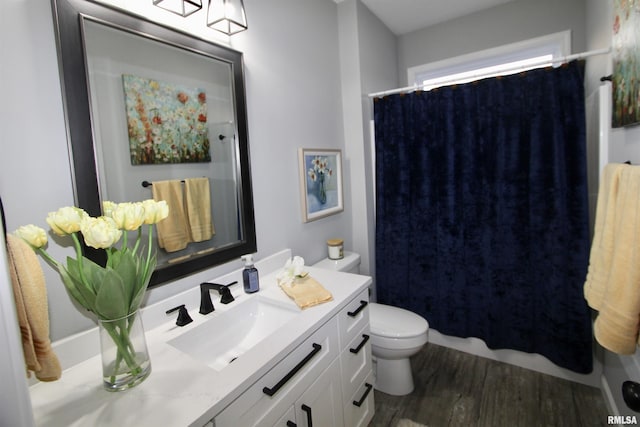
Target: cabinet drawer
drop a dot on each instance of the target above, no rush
(321, 405)
(287, 419)
(353, 317)
(359, 409)
(356, 364)
(278, 389)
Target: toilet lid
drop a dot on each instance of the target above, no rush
(395, 322)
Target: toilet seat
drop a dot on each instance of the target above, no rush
(395, 322)
(395, 328)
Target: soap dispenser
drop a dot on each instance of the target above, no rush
(250, 275)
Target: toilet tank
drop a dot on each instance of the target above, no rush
(349, 264)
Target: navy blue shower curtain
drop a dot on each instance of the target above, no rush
(482, 212)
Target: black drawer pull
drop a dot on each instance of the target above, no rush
(363, 304)
(365, 338)
(271, 391)
(307, 409)
(359, 403)
(291, 424)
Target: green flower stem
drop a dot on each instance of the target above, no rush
(138, 238)
(49, 258)
(119, 333)
(80, 257)
(149, 245)
(129, 350)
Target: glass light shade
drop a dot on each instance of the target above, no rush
(180, 7)
(227, 16)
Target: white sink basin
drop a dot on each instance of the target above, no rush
(225, 337)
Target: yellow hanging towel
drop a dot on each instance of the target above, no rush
(198, 200)
(30, 293)
(173, 234)
(613, 278)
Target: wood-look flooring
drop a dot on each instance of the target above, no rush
(453, 388)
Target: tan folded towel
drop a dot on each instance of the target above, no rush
(173, 234)
(307, 292)
(613, 279)
(30, 293)
(198, 198)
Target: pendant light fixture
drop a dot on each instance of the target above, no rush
(227, 16)
(180, 7)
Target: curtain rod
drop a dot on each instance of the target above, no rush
(478, 76)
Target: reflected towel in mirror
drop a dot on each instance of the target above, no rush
(173, 234)
(198, 203)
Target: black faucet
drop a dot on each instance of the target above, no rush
(183, 315)
(206, 306)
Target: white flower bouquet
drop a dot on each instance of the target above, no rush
(115, 291)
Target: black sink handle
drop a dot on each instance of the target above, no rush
(183, 315)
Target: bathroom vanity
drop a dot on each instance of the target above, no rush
(258, 360)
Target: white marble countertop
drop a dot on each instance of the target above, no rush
(182, 391)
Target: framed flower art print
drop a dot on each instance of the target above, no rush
(320, 182)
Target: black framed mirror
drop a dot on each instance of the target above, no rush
(116, 71)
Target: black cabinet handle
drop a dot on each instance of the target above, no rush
(365, 338)
(363, 304)
(359, 403)
(307, 409)
(273, 390)
(291, 424)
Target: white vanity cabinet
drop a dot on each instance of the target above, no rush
(355, 361)
(315, 364)
(321, 404)
(274, 395)
(321, 383)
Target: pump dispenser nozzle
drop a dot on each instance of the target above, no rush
(248, 260)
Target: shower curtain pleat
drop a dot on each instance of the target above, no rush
(482, 212)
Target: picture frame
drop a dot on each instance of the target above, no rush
(320, 182)
(166, 122)
(626, 65)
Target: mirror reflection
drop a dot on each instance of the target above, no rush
(168, 122)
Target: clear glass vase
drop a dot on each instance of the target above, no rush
(125, 358)
(322, 192)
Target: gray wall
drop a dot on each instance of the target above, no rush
(509, 23)
(378, 54)
(368, 62)
(294, 100)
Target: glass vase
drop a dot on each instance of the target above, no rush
(125, 358)
(322, 192)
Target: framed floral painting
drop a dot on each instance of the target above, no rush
(626, 63)
(320, 182)
(166, 123)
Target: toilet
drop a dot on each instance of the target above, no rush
(396, 335)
